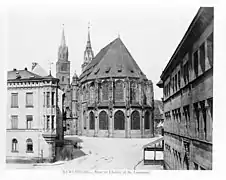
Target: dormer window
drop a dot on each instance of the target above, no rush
(97, 70)
(119, 67)
(107, 69)
(132, 71)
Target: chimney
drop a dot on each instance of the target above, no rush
(14, 69)
(25, 69)
(34, 64)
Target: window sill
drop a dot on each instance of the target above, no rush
(29, 151)
(14, 151)
(14, 106)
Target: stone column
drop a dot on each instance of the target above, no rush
(201, 122)
(142, 123)
(195, 122)
(128, 118)
(110, 124)
(209, 122)
(96, 123)
(207, 63)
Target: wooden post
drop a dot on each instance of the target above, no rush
(144, 155)
(155, 153)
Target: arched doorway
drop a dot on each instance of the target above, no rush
(147, 120)
(119, 120)
(135, 120)
(91, 121)
(103, 120)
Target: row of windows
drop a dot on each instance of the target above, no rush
(175, 158)
(200, 112)
(14, 100)
(29, 99)
(29, 144)
(119, 120)
(202, 58)
(14, 121)
(106, 92)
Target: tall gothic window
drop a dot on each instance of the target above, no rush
(84, 93)
(119, 91)
(135, 120)
(92, 93)
(103, 120)
(105, 91)
(133, 92)
(147, 120)
(91, 120)
(119, 120)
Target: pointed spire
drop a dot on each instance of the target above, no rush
(63, 42)
(88, 40)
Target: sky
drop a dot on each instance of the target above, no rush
(151, 33)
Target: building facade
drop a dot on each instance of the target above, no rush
(187, 83)
(34, 120)
(111, 98)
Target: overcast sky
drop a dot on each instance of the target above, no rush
(150, 32)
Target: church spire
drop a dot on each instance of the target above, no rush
(63, 42)
(63, 49)
(88, 54)
(88, 45)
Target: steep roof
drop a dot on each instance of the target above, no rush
(17, 75)
(37, 69)
(114, 60)
(21, 74)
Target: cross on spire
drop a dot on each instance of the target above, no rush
(50, 64)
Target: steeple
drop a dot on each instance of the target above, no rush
(88, 53)
(63, 49)
(63, 65)
(63, 42)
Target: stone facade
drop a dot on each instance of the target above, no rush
(34, 118)
(187, 83)
(111, 98)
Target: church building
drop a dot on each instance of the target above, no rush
(111, 98)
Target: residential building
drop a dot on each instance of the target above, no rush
(187, 83)
(34, 119)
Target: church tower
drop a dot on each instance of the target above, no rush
(88, 54)
(63, 65)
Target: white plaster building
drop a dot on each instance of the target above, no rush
(33, 116)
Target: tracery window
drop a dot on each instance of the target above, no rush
(119, 120)
(105, 91)
(91, 120)
(119, 91)
(135, 120)
(147, 120)
(133, 90)
(103, 120)
(92, 94)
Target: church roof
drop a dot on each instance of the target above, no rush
(114, 60)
